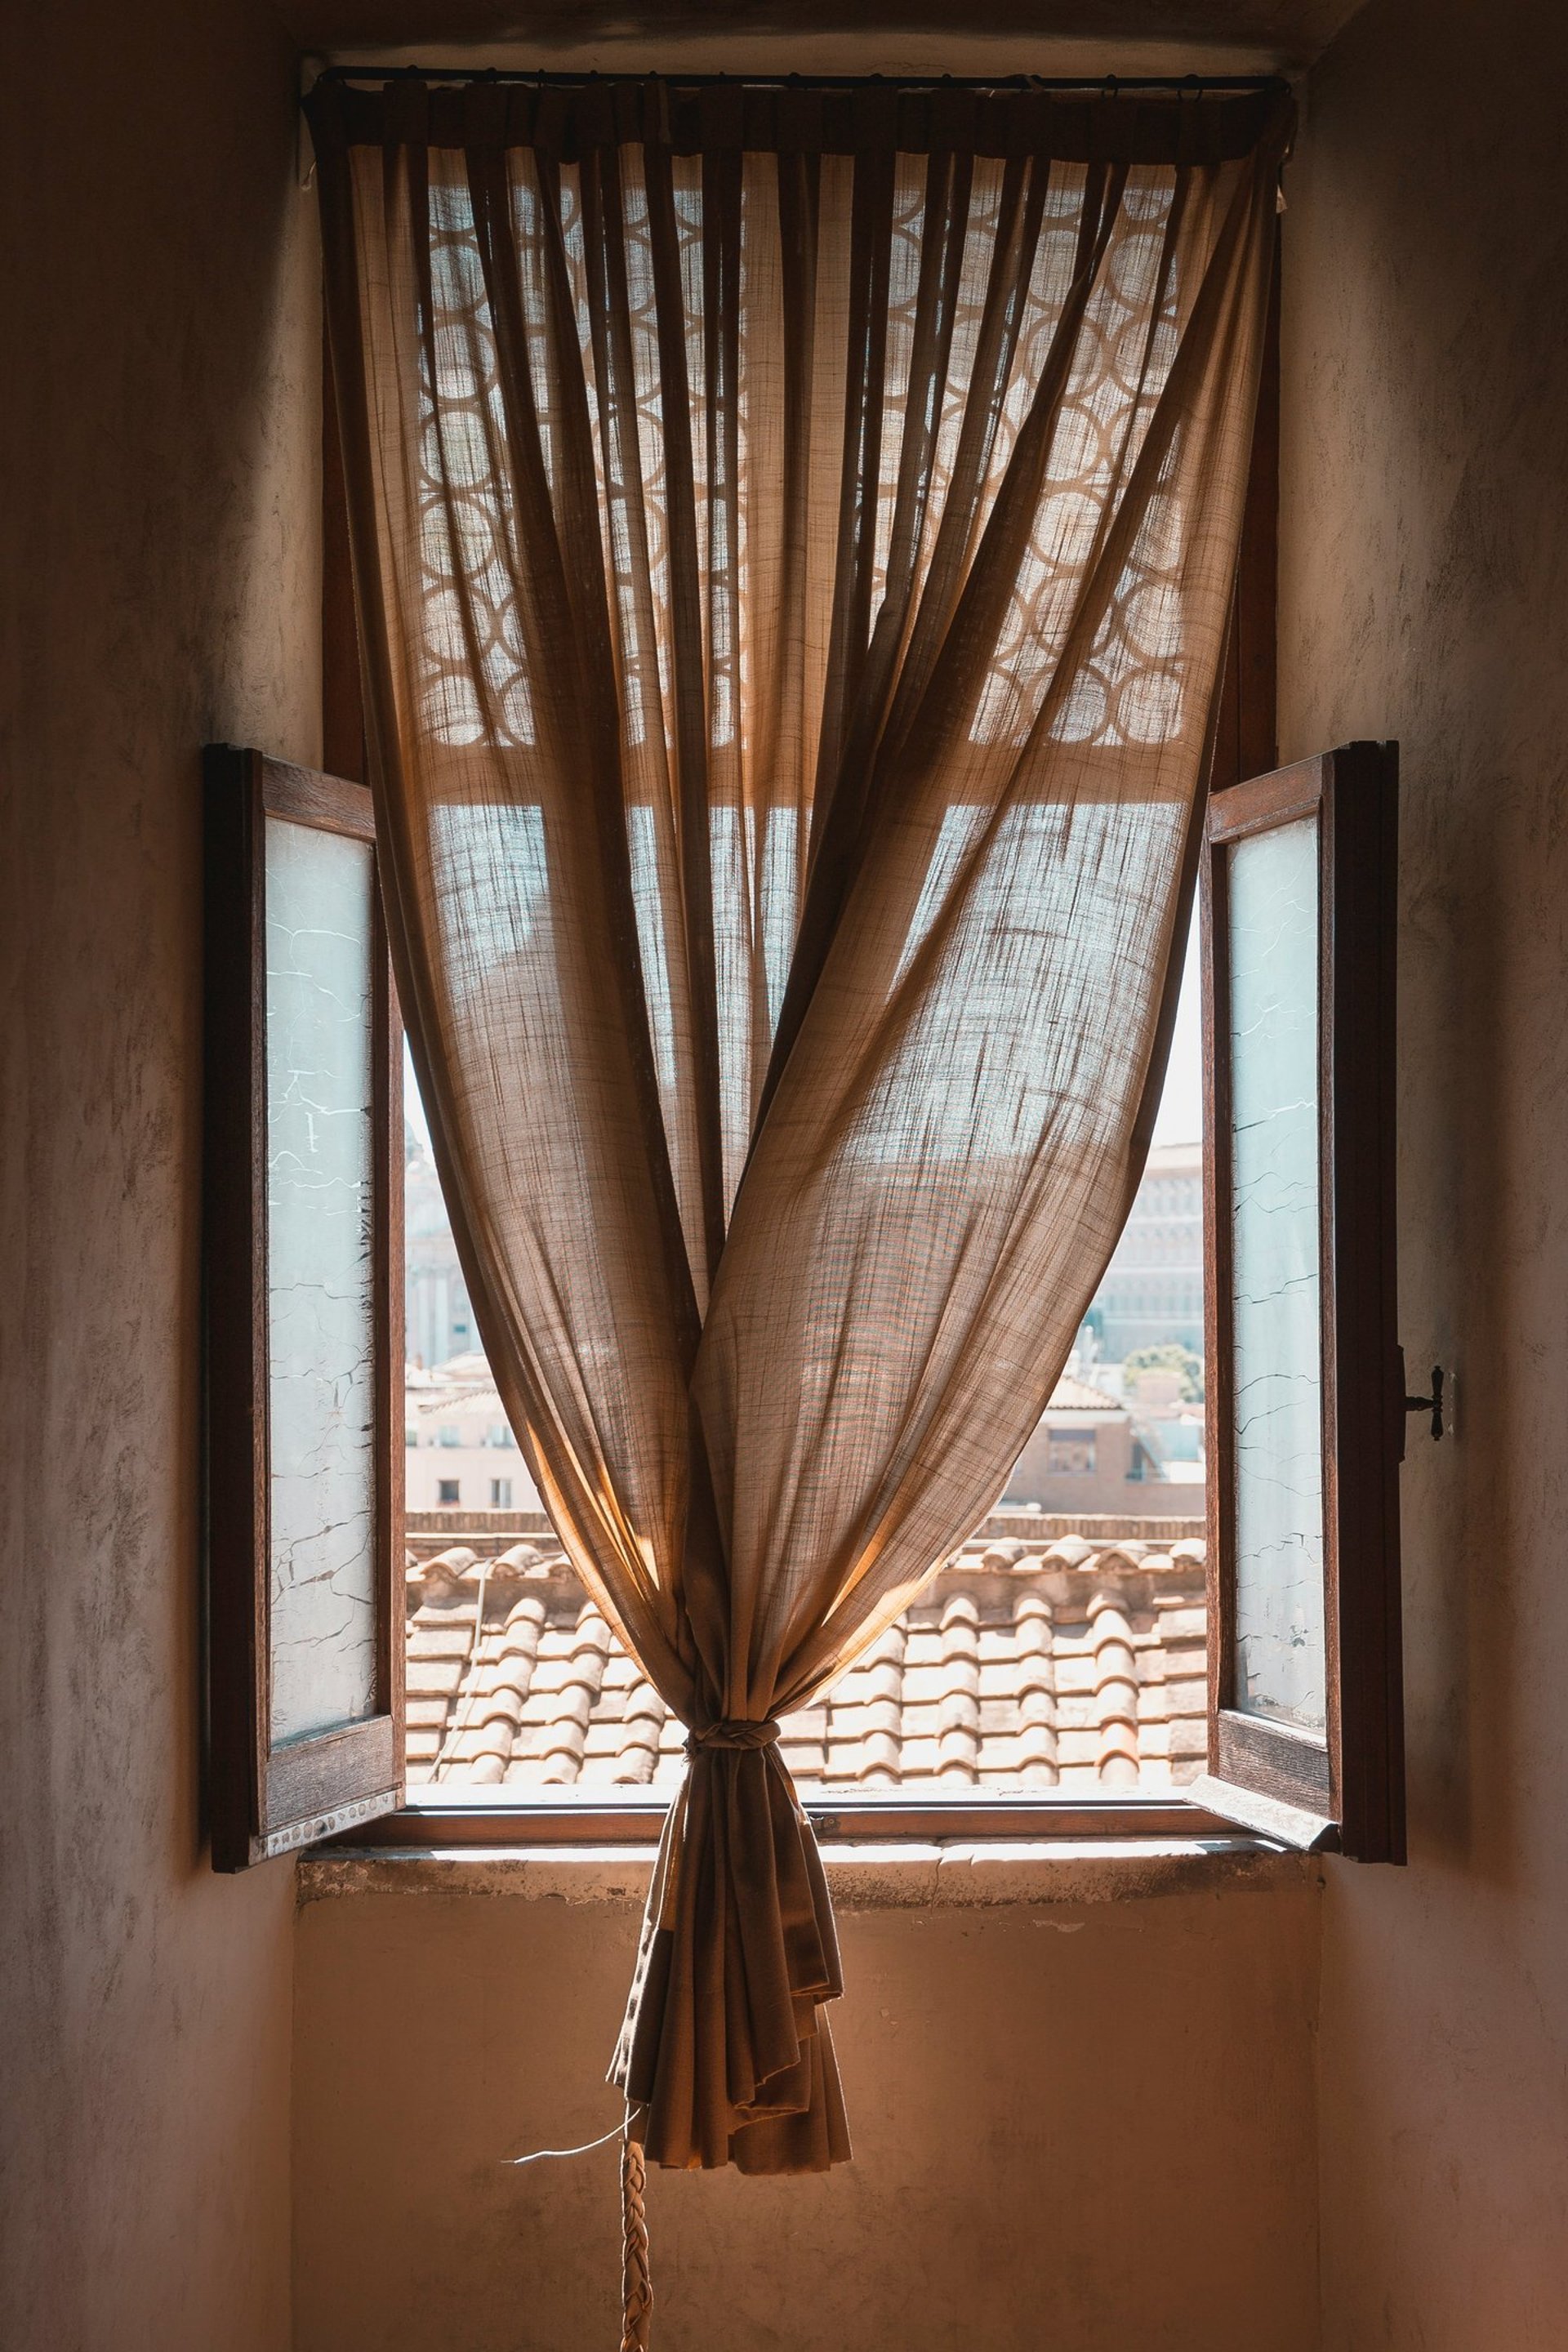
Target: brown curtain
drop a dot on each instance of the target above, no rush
(794, 534)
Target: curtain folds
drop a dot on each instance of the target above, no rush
(792, 537)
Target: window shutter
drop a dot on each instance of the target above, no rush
(1305, 1377)
(302, 1256)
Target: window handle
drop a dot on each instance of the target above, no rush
(1432, 1403)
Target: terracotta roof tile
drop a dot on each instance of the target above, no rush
(1073, 1395)
(1064, 1663)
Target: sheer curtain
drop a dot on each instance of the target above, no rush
(793, 533)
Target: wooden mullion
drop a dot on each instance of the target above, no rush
(342, 704)
(330, 803)
(1218, 1387)
(1263, 802)
(1368, 1413)
(235, 1271)
(1328, 1220)
(1258, 571)
(343, 1770)
(1245, 734)
(1274, 1758)
(388, 1244)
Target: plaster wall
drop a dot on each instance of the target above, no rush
(1425, 585)
(1077, 2123)
(160, 558)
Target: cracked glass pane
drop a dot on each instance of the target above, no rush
(320, 1278)
(1273, 938)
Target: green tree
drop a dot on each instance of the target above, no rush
(1169, 1356)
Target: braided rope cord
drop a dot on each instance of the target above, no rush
(636, 2287)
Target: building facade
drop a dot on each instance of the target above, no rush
(1091, 1452)
(1154, 1287)
(460, 1454)
(438, 1318)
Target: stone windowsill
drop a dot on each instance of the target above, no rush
(954, 1874)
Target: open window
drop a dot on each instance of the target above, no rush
(1052, 1675)
(1052, 1678)
(320, 1579)
(304, 1321)
(1306, 1379)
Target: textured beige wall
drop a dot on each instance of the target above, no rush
(157, 506)
(1426, 597)
(1081, 2125)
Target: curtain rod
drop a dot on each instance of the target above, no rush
(1107, 85)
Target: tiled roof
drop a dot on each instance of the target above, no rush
(1037, 1657)
(1072, 1395)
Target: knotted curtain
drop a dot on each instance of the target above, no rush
(793, 535)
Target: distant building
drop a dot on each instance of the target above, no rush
(1154, 1287)
(438, 1318)
(1090, 1454)
(1093, 1452)
(460, 1452)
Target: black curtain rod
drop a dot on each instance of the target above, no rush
(1107, 85)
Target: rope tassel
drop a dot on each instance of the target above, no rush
(637, 2288)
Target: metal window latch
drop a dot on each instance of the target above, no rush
(1432, 1404)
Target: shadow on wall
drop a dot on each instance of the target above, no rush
(1088, 2125)
(160, 512)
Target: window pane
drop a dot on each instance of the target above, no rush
(1061, 1648)
(319, 1269)
(1273, 943)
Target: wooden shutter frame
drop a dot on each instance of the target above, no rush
(266, 1801)
(1346, 1790)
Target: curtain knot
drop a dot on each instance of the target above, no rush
(733, 1734)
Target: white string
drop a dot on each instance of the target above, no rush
(614, 2132)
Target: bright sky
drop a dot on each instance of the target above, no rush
(412, 1107)
(1180, 1118)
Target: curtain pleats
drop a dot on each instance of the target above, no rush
(794, 534)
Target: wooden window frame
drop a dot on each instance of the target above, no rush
(1244, 742)
(1346, 1788)
(266, 1800)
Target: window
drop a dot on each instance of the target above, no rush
(985, 1615)
(1064, 1657)
(1304, 1641)
(1059, 1654)
(1058, 1657)
(1045, 1656)
(1071, 1452)
(302, 1216)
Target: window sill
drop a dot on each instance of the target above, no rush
(457, 1817)
(908, 1874)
